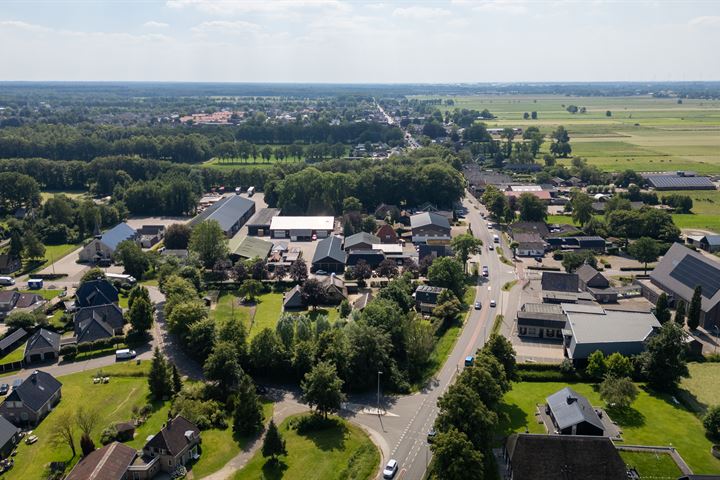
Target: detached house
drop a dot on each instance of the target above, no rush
(426, 298)
(42, 345)
(102, 247)
(572, 414)
(175, 445)
(34, 398)
(386, 233)
(94, 293)
(110, 462)
(329, 255)
(9, 264)
(101, 321)
(430, 227)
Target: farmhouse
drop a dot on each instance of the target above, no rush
(176, 444)
(429, 227)
(529, 245)
(596, 284)
(679, 272)
(102, 247)
(231, 213)
(547, 457)
(679, 181)
(572, 414)
(329, 255)
(259, 224)
(301, 228)
(541, 320)
(29, 402)
(149, 235)
(539, 228)
(42, 345)
(591, 327)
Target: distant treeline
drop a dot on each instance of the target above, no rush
(180, 144)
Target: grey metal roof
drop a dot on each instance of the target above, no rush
(712, 240)
(362, 237)
(570, 408)
(226, 212)
(542, 308)
(681, 269)
(429, 218)
(35, 390)
(11, 339)
(678, 181)
(117, 234)
(263, 217)
(330, 247)
(609, 326)
(7, 431)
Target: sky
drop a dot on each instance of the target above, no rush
(356, 41)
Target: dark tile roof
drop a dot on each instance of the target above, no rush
(263, 217)
(586, 272)
(41, 340)
(330, 247)
(35, 390)
(570, 408)
(554, 457)
(530, 227)
(15, 336)
(107, 463)
(93, 323)
(96, 292)
(560, 282)
(28, 300)
(9, 296)
(7, 431)
(173, 436)
(6, 261)
(293, 298)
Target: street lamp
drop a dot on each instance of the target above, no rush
(378, 392)
(717, 333)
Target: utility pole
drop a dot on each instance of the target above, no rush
(378, 392)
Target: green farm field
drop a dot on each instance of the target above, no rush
(642, 133)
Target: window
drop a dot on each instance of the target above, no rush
(549, 332)
(522, 331)
(532, 331)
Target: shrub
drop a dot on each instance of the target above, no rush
(108, 435)
(711, 422)
(311, 423)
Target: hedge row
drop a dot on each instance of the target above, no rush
(101, 344)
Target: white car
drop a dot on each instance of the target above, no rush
(492, 303)
(390, 469)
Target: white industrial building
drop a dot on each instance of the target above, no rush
(301, 228)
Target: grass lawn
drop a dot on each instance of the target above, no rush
(46, 294)
(267, 312)
(228, 305)
(340, 452)
(75, 194)
(653, 420)
(15, 356)
(658, 466)
(219, 446)
(53, 253)
(113, 402)
(702, 389)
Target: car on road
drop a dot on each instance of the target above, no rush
(490, 225)
(492, 303)
(390, 469)
(125, 354)
(478, 305)
(490, 247)
(485, 271)
(469, 361)
(431, 435)
(4, 389)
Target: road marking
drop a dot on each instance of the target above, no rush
(489, 287)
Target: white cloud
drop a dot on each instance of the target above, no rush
(154, 24)
(705, 21)
(230, 7)
(227, 27)
(515, 7)
(423, 13)
(24, 26)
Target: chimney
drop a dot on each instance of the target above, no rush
(570, 399)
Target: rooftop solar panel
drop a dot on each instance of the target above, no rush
(664, 181)
(693, 272)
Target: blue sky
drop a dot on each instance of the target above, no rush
(359, 41)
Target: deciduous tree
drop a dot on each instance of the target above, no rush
(322, 389)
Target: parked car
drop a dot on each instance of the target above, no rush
(4, 389)
(7, 281)
(321, 272)
(390, 469)
(125, 354)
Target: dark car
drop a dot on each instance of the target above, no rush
(4, 388)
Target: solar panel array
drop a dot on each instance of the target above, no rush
(676, 181)
(693, 272)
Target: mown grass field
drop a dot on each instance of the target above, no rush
(343, 451)
(652, 420)
(656, 466)
(643, 133)
(113, 402)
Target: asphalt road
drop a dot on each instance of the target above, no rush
(407, 420)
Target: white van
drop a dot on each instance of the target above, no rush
(7, 281)
(122, 278)
(124, 354)
(496, 239)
